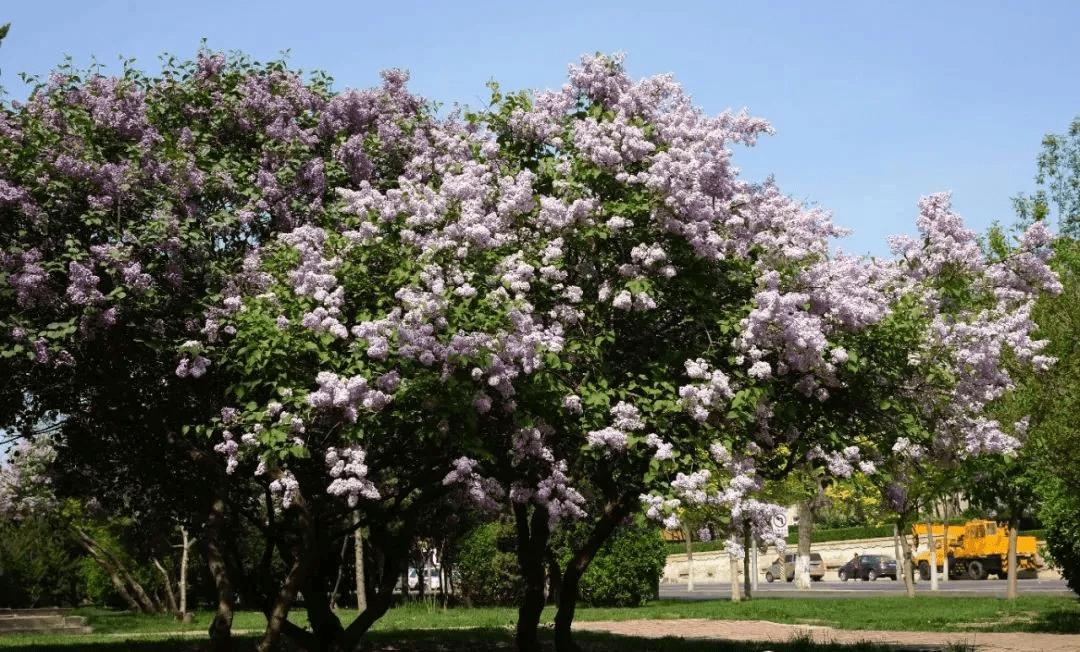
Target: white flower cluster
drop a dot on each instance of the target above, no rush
(350, 475)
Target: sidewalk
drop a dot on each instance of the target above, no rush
(757, 630)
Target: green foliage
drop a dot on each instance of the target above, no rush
(853, 502)
(626, 571)
(1059, 172)
(4, 32)
(1053, 398)
(488, 566)
(38, 566)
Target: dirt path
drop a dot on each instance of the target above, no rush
(757, 630)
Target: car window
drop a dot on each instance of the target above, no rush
(815, 556)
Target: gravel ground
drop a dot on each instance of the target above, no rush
(756, 630)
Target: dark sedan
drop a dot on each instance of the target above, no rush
(868, 567)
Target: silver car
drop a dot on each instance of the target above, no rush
(785, 567)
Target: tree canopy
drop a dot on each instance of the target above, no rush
(567, 305)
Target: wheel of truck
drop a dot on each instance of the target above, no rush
(976, 570)
(842, 574)
(871, 575)
(924, 570)
(769, 577)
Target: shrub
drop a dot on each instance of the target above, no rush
(37, 565)
(488, 566)
(626, 571)
(1062, 517)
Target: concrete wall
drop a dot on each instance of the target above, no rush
(715, 566)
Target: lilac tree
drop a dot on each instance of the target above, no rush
(573, 304)
(125, 203)
(569, 304)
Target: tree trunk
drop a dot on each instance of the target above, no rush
(806, 532)
(396, 555)
(746, 559)
(689, 557)
(221, 625)
(931, 542)
(1011, 591)
(358, 555)
(170, 595)
(279, 612)
(945, 540)
(896, 551)
(554, 577)
(579, 563)
(905, 564)
(532, 537)
(114, 576)
(126, 585)
(184, 554)
(733, 569)
(340, 573)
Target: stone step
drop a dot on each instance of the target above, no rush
(42, 621)
(69, 630)
(39, 611)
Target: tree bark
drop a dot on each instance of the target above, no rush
(806, 533)
(689, 557)
(395, 554)
(579, 563)
(340, 573)
(532, 537)
(1011, 592)
(945, 540)
(170, 594)
(554, 577)
(746, 559)
(280, 610)
(184, 554)
(320, 559)
(358, 554)
(114, 576)
(733, 569)
(931, 543)
(300, 561)
(221, 625)
(909, 579)
(126, 585)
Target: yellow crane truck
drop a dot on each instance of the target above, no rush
(975, 550)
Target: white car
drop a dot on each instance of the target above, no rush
(433, 582)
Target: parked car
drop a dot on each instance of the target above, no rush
(433, 579)
(868, 567)
(785, 567)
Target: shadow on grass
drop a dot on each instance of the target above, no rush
(1058, 621)
(461, 640)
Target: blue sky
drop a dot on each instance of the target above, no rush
(875, 103)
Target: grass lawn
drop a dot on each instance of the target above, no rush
(424, 626)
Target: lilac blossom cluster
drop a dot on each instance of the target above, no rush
(541, 477)
(348, 394)
(480, 492)
(25, 486)
(73, 125)
(626, 419)
(349, 472)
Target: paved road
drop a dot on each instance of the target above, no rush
(853, 589)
